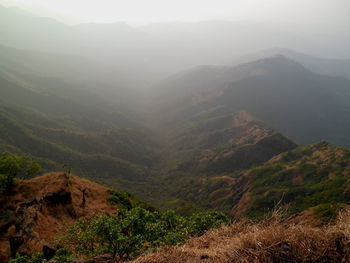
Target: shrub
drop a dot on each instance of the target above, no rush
(35, 258)
(63, 255)
(328, 212)
(12, 166)
(129, 233)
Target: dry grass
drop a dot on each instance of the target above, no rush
(274, 240)
(44, 221)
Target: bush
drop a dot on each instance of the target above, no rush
(12, 166)
(129, 233)
(35, 258)
(328, 212)
(63, 255)
(127, 201)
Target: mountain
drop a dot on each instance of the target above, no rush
(61, 125)
(324, 66)
(160, 49)
(305, 106)
(41, 210)
(207, 122)
(64, 73)
(211, 143)
(315, 176)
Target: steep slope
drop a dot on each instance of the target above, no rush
(290, 98)
(72, 127)
(222, 143)
(210, 144)
(310, 176)
(59, 214)
(34, 213)
(69, 76)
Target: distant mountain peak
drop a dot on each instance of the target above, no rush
(275, 64)
(320, 65)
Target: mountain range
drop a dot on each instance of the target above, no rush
(180, 114)
(86, 110)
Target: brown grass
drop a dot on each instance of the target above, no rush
(45, 221)
(273, 240)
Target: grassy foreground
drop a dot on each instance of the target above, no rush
(272, 240)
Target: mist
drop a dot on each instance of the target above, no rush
(170, 37)
(236, 106)
(127, 51)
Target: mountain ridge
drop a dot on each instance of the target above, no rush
(269, 89)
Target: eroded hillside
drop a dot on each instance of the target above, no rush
(35, 211)
(213, 144)
(317, 176)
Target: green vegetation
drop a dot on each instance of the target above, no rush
(328, 212)
(129, 233)
(184, 208)
(64, 255)
(316, 175)
(35, 258)
(12, 166)
(127, 201)
(59, 124)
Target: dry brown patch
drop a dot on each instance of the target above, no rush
(229, 180)
(242, 118)
(41, 220)
(331, 175)
(275, 159)
(273, 240)
(239, 209)
(298, 180)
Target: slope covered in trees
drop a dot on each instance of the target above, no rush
(62, 125)
(314, 176)
(301, 104)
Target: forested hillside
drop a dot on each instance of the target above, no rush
(127, 141)
(60, 125)
(315, 176)
(303, 105)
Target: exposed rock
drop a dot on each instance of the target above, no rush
(20, 210)
(61, 197)
(30, 202)
(48, 252)
(33, 214)
(15, 243)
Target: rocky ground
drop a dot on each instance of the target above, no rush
(33, 214)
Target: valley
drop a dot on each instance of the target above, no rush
(155, 140)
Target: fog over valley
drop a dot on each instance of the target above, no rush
(143, 124)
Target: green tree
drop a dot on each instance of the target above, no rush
(12, 166)
(128, 233)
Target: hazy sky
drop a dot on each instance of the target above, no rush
(333, 12)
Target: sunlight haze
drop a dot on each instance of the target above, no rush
(131, 128)
(139, 12)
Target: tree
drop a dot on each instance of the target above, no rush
(129, 233)
(12, 166)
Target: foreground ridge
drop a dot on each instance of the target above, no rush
(273, 240)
